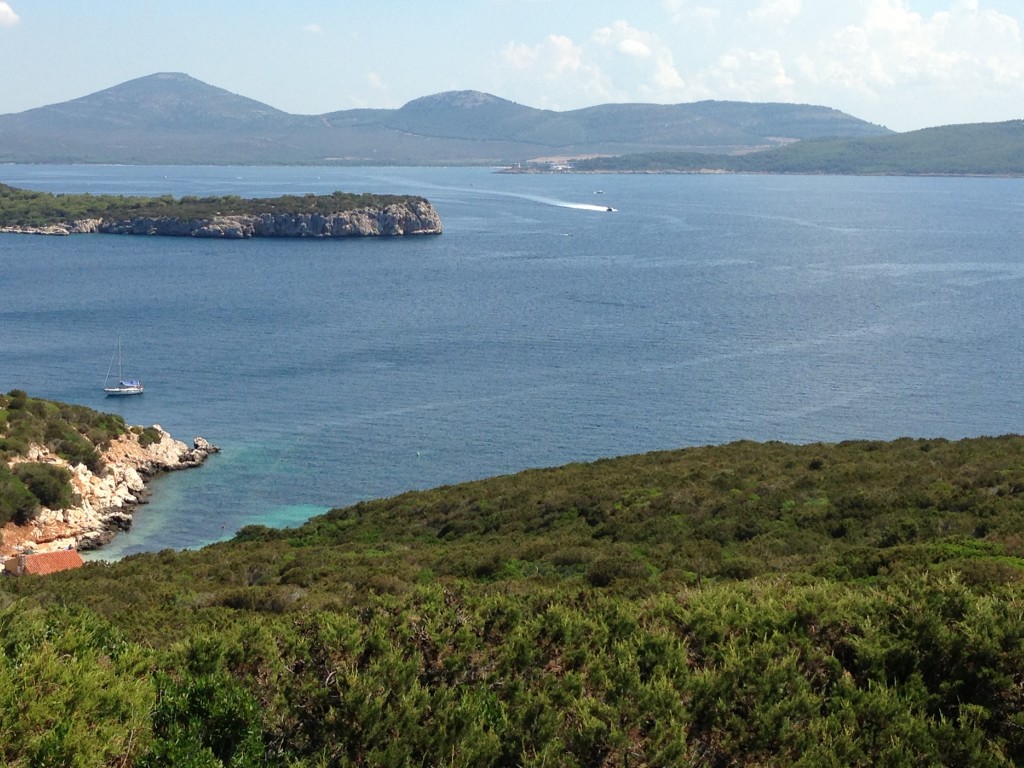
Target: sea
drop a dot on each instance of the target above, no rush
(540, 329)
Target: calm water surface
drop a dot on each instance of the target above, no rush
(539, 329)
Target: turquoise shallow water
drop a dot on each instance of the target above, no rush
(536, 331)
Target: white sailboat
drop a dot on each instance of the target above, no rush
(124, 386)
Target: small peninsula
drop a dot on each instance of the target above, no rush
(71, 476)
(339, 214)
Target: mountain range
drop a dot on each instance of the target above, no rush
(172, 118)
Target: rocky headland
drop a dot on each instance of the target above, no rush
(104, 501)
(411, 217)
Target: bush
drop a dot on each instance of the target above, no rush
(13, 446)
(17, 503)
(605, 571)
(149, 436)
(16, 399)
(77, 450)
(49, 483)
(204, 721)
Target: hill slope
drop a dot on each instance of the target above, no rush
(174, 118)
(977, 149)
(853, 604)
(164, 101)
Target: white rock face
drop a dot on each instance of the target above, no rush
(105, 500)
(414, 217)
(84, 226)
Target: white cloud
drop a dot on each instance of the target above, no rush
(683, 12)
(634, 48)
(893, 47)
(625, 39)
(554, 73)
(754, 75)
(902, 63)
(666, 77)
(314, 29)
(8, 18)
(550, 59)
(775, 11)
(635, 62)
(890, 61)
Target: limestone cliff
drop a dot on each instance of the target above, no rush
(84, 226)
(412, 217)
(104, 501)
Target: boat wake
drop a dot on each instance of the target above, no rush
(518, 195)
(586, 207)
(567, 204)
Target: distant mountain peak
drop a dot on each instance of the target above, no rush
(457, 100)
(175, 96)
(162, 81)
(166, 99)
(172, 76)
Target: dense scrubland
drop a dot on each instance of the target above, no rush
(851, 604)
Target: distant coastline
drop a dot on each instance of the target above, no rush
(984, 150)
(540, 171)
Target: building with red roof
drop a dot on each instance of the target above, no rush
(42, 563)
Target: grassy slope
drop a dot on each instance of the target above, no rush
(851, 604)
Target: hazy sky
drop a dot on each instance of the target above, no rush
(904, 64)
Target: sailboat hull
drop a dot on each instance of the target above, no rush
(123, 390)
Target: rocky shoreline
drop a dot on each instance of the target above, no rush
(104, 501)
(413, 217)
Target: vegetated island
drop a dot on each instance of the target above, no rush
(71, 476)
(339, 214)
(852, 604)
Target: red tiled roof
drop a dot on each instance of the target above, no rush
(42, 563)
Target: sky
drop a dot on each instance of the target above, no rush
(904, 64)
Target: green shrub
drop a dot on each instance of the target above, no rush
(16, 399)
(17, 503)
(73, 691)
(49, 483)
(204, 721)
(619, 567)
(71, 431)
(11, 447)
(77, 450)
(149, 436)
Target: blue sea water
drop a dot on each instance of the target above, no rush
(539, 329)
